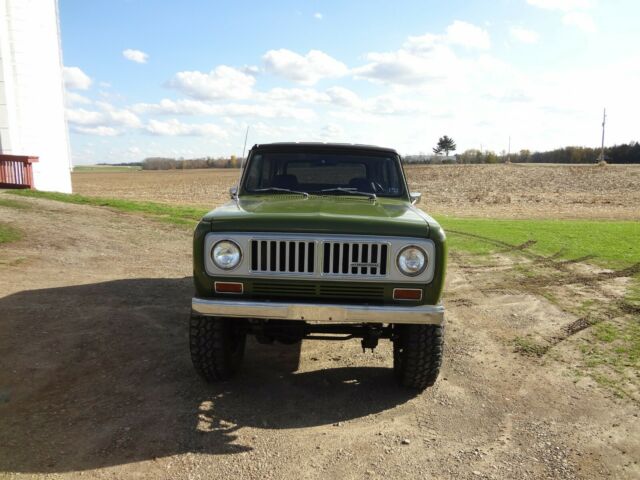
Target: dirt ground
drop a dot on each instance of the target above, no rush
(497, 191)
(96, 380)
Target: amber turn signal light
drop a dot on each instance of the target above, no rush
(407, 294)
(228, 287)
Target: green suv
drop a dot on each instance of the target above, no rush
(319, 241)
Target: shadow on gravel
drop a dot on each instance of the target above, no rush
(99, 375)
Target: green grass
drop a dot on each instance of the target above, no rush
(175, 214)
(528, 347)
(613, 244)
(610, 348)
(9, 234)
(10, 203)
(612, 354)
(633, 294)
(105, 168)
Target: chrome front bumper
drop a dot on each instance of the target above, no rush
(320, 312)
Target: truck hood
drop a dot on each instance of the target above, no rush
(328, 214)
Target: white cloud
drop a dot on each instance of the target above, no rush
(98, 131)
(427, 58)
(318, 16)
(343, 97)
(74, 78)
(575, 12)
(458, 33)
(176, 128)
(403, 67)
(524, 35)
(116, 116)
(250, 70)
(307, 69)
(332, 132)
(107, 116)
(422, 43)
(72, 98)
(198, 107)
(391, 104)
(338, 96)
(582, 20)
(467, 35)
(304, 95)
(137, 56)
(80, 116)
(562, 5)
(220, 83)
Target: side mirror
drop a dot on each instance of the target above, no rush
(415, 197)
(233, 192)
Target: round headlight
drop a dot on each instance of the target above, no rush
(412, 260)
(226, 254)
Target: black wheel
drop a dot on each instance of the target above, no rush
(417, 354)
(217, 346)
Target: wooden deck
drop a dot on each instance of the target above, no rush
(16, 171)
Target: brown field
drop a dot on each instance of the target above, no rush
(499, 191)
(96, 380)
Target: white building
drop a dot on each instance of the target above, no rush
(32, 118)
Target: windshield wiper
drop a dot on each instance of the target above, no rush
(281, 190)
(349, 191)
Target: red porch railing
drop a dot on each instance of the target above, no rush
(16, 171)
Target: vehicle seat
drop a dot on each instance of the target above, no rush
(285, 181)
(362, 185)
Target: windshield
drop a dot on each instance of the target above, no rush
(326, 173)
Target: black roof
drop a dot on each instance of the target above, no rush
(320, 146)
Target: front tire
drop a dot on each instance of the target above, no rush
(417, 354)
(217, 346)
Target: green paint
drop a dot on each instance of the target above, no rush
(322, 216)
(328, 215)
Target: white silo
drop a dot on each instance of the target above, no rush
(32, 118)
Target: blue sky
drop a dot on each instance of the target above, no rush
(184, 79)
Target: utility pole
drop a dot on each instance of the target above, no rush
(509, 151)
(604, 120)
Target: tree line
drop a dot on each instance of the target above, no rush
(625, 153)
(164, 163)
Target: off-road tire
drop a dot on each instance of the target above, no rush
(417, 354)
(217, 346)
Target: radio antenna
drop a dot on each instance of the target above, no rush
(246, 135)
(244, 148)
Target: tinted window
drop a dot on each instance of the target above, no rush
(323, 171)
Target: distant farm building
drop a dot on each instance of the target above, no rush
(32, 118)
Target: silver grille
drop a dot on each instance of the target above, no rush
(289, 256)
(282, 256)
(351, 258)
